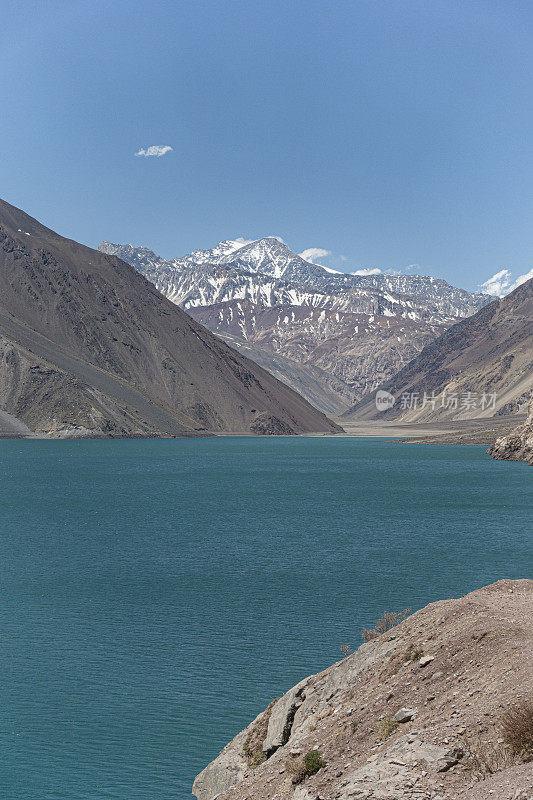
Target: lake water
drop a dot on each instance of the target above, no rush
(155, 595)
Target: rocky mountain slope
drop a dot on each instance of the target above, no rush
(479, 367)
(420, 711)
(353, 352)
(356, 329)
(319, 387)
(518, 444)
(89, 347)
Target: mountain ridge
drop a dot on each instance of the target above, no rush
(271, 257)
(268, 275)
(488, 353)
(91, 323)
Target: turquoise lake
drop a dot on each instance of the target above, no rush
(156, 595)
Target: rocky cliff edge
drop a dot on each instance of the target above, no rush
(421, 711)
(517, 445)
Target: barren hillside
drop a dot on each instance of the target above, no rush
(89, 347)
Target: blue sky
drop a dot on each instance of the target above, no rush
(389, 133)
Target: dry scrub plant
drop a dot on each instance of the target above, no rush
(488, 757)
(388, 620)
(517, 726)
(413, 653)
(253, 745)
(385, 726)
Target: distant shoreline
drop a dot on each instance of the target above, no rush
(480, 432)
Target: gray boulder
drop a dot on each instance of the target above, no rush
(405, 714)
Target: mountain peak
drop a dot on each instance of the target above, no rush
(270, 255)
(273, 240)
(336, 325)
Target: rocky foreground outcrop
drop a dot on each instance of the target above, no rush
(417, 712)
(517, 445)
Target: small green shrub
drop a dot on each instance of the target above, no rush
(353, 725)
(313, 761)
(413, 653)
(386, 726)
(302, 768)
(256, 759)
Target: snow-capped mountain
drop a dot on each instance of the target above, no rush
(268, 273)
(269, 256)
(262, 292)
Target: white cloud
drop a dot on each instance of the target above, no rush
(367, 271)
(156, 150)
(501, 283)
(498, 284)
(522, 279)
(314, 252)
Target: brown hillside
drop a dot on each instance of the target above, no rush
(115, 355)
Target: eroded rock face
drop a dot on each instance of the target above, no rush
(518, 445)
(388, 775)
(482, 652)
(282, 718)
(268, 425)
